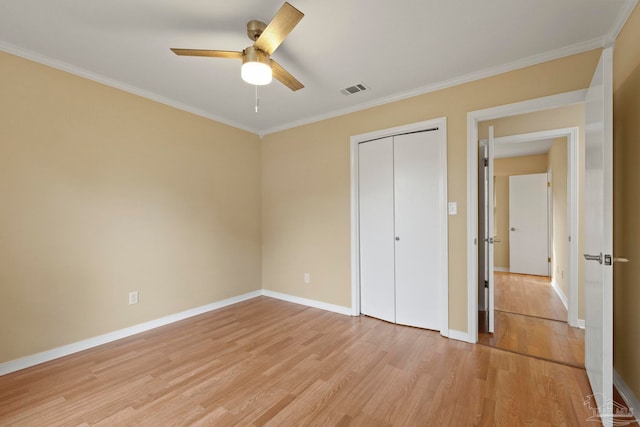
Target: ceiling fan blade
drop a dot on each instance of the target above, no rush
(279, 27)
(209, 53)
(285, 77)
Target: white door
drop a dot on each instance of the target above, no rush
(402, 209)
(487, 230)
(490, 229)
(598, 243)
(418, 213)
(528, 232)
(483, 245)
(377, 252)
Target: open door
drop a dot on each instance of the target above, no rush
(486, 232)
(599, 236)
(490, 228)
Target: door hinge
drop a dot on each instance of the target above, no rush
(548, 259)
(548, 184)
(485, 161)
(486, 283)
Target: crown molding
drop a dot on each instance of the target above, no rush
(81, 72)
(487, 72)
(623, 16)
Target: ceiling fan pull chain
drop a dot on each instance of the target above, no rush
(257, 99)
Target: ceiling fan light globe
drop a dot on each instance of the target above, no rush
(256, 73)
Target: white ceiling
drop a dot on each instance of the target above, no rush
(398, 48)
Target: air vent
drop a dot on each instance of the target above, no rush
(356, 88)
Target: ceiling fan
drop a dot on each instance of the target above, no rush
(257, 66)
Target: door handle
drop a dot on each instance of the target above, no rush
(607, 258)
(594, 257)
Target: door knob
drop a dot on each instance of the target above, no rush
(397, 238)
(608, 259)
(512, 229)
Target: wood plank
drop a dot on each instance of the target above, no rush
(277, 363)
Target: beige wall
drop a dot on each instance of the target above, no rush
(305, 180)
(557, 158)
(557, 118)
(502, 170)
(626, 236)
(104, 192)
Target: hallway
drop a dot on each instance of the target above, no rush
(530, 319)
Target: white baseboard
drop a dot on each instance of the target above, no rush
(560, 294)
(348, 311)
(459, 336)
(501, 269)
(581, 323)
(45, 356)
(627, 395)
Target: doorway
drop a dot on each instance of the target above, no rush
(531, 153)
(473, 120)
(529, 314)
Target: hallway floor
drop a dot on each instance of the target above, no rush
(530, 319)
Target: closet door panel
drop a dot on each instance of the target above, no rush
(417, 217)
(377, 285)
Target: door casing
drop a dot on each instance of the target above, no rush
(473, 118)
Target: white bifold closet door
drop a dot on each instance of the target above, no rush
(377, 247)
(400, 211)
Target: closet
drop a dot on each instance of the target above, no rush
(402, 212)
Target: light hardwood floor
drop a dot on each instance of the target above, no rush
(530, 319)
(530, 295)
(533, 336)
(269, 362)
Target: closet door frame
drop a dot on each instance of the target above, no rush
(441, 125)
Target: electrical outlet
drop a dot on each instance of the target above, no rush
(307, 278)
(133, 297)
